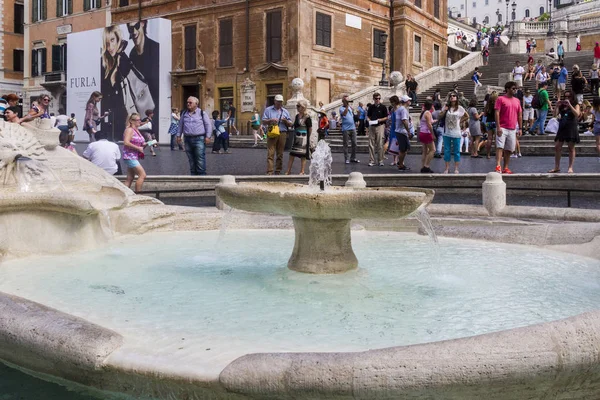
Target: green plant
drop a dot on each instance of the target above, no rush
(544, 17)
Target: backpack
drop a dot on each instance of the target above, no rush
(535, 102)
(70, 123)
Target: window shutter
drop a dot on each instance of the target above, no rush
(64, 57)
(70, 7)
(319, 28)
(43, 62)
(86, 5)
(34, 63)
(44, 10)
(190, 47)
(226, 43)
(274, 36)
(34, 11)
(327, 30)
(55, 57)
(59, 8)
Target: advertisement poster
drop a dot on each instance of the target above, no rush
(129, 65)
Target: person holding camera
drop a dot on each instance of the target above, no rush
(348, 129)
(568, 113)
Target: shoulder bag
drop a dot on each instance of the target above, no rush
(136, 92)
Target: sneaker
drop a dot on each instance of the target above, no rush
(403, 168)
(355, 161)
(347, 161)
(513, 155)
(371, 163)
(507, 171)
(498, 169)
(437, 155)
(519, 155)
(381, 163)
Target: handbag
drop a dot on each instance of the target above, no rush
(136, 92)
(273, 131)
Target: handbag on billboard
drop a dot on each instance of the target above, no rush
(136, 92)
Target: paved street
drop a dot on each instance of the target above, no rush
(253, 162)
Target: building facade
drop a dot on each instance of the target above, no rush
(494, 12)
(12, 50)
(247, 51)
(45, 61)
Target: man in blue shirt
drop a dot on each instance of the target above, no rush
(348, 129)
(275, 115)
(562, 80)
(362, 114)
(196, 128)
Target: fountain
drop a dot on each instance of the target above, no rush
(322, 214)
(116, 293)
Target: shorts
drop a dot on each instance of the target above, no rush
(562, 86)
(425, 137)
(527, 114)
(579, 98)
(519, 82)
(132, 163)
(490, 126)
(403, 143)
(508, 140)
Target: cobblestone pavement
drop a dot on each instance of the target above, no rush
(253, 162)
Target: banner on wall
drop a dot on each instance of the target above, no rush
(118, 70)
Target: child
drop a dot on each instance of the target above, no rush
(464, 138)
(257, 129)
(72, 125)
(220, 133)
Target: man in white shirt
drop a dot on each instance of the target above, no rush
(103, 154)
(518, 72)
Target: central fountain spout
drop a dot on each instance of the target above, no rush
(323, 214)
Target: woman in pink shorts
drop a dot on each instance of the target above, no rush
(426, 136)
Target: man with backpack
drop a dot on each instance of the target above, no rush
(541, 104)
(196, 128)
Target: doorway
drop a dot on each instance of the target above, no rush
(190, 90)
(323, 90)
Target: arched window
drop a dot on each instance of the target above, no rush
(527, 13)
(499, 17)
(486, 20)
(541, 10)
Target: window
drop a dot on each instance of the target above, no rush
(226, 43)
(417, 49)
(91, 4)
(462, 6)
(18, 56)
(123, 3)
(499, 17)
(436, 55)
(541, 10)
(418, 3)
(274, 36)
(272, 91)
(527, 13)
(436, 8)
(59, 57)
(19, 18)
(486, 20)
(225, 96)
(38, 62)
(474, 4)
(38, 10)
(378, 44)
(64, 7)
(487, 2)
(323, 27)
(189, 38)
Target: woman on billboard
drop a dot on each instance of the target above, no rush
(114, 68)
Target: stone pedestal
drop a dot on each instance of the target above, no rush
(356, 180)
(494, 193)
(322, 246)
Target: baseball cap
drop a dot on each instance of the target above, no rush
(405, 99)
(279, 98)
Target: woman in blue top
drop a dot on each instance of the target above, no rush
(39, 108)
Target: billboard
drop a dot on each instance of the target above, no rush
(129, 65)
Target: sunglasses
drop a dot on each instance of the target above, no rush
(377, 98)
(130, 28)
(298, 106)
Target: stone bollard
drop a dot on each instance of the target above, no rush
(494, 193)
(356, 181)
(225, 180)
